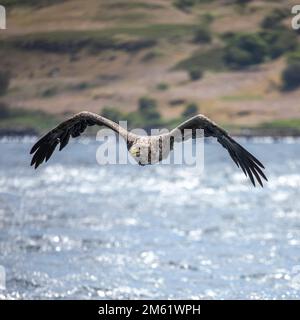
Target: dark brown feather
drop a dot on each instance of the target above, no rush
(44, 148)
(250, 165)
(73, 127)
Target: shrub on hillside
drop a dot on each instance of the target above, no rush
(274, 19)
(4, 111)
(242, 2)
(4, 82)
(279, 41)
(291, 76)
(202, 34)
(238, 58)
(184, 4)
(148, 109)
(207, 18)
(243, 50)
(73, 41)
(190, 110)
(32, 3)
(146, 104)
(294, 57)
(112, 114)
(195, 73)
(162, 86)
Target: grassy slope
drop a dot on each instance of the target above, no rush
(85, 74)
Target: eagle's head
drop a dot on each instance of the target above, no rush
(140, 153)
(135, 151)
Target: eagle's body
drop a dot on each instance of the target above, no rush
(151, 149)
(148, 149)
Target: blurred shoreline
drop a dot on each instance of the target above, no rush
(243, 132)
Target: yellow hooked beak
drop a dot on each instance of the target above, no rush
(135, 151)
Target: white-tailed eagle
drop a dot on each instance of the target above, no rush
(148, 149)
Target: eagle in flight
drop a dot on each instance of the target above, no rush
(148, 149)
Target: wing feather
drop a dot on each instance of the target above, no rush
(73, 127)
(249, 164)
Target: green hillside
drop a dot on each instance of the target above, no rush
(235, 61)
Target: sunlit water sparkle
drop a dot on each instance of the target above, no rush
(74, 229)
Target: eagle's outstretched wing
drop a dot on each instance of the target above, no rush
(251, 166)
(61, 134)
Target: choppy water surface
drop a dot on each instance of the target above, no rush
(74, 229)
